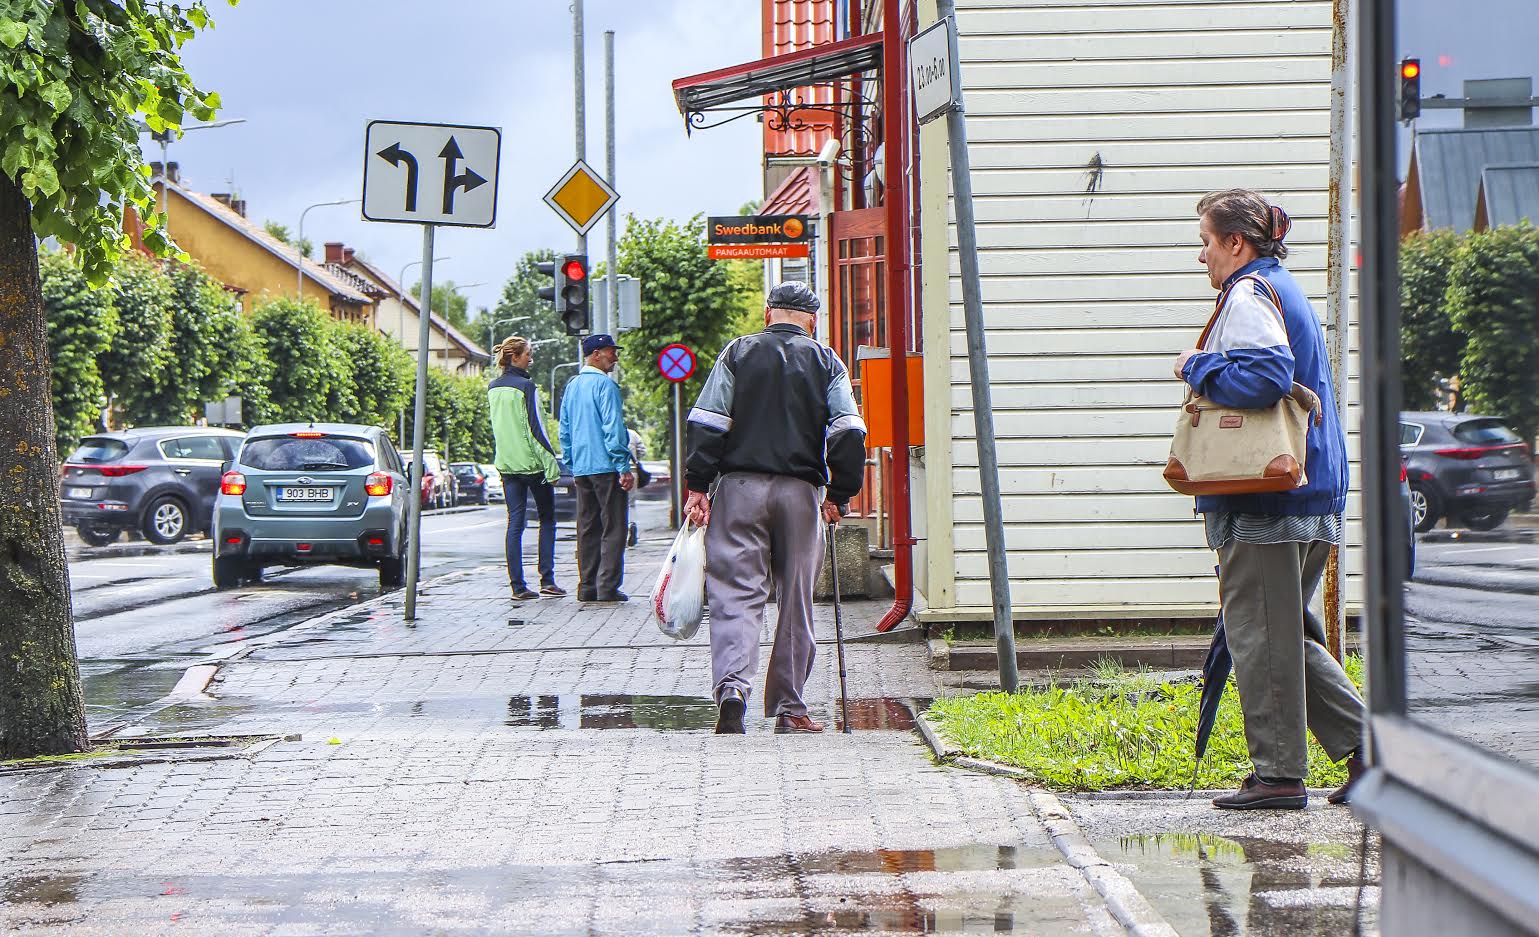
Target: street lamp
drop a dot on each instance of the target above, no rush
(453, 287)
(299, 240)
(163, 137)
(491, 329)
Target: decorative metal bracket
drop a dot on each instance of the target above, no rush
(780, 110)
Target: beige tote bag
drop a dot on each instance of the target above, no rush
(1229, 451)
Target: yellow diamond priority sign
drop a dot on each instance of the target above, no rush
(581, 197)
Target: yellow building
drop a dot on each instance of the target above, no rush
(214, 230)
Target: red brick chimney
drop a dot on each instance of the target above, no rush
(338, 253)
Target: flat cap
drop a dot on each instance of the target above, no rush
(793, 295)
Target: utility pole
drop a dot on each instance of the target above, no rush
(580, 109)
(609, 317)
(1338, 271)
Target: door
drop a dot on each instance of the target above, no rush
(858, 316)
(197, 463)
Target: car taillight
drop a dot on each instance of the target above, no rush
(378, 485)
(1471, 453)
(118, 471)
(308, 435)
(1402, 471)
(233, 483)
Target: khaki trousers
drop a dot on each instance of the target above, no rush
(763, 528)
(1287, 678)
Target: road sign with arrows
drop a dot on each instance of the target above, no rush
(437, 174)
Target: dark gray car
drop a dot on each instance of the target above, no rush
(158, 480)
(316, 493)
(1472, 469)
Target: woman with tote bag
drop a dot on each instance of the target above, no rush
(1272, 546)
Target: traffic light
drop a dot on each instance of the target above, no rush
(548, 294)
(1410, 89)
(573, 302)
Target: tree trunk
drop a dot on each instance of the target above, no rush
(42, 711)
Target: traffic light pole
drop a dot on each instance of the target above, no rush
(609, 316)
(579, 94)
(419, 417)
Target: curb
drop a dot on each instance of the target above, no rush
(1131, 909)
(1500, 535)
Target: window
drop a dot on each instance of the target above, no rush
(193, 447)
(100, 449)
(1485, 433)
(1410, 434)
(291, 453)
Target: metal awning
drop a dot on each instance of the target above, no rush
(717, 90)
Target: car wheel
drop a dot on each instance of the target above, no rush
(392, 573)
(485, 498)
(1426, 508)
(252, 572)
(228, 572)
(630, 539)
(97, 535)
(165, 521)
(1485, 520)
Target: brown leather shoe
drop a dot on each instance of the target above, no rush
(1256, 794)
(788, 723)
(1355, 770)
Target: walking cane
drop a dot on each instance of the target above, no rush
(833, 569)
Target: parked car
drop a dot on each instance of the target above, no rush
(494, 491)
(158, 480)
(440, 489)
(1474, 470)
(1410, 521)
(661, 486)
(316, 493)
(472, 481)
(566, 496)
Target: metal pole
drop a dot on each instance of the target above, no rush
(1338, 272)
(978, 370)
(579, 94)
(677, 515)
(610, 318)
(419, 417)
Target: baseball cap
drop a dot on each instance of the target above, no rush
(793, 295)
(597, 343)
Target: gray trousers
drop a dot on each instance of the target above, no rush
(763, 527)
(1287, 678)
(602, 509)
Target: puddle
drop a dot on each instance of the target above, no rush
(46, 890)
(1215, 886)
(115, 689)
(677, 713)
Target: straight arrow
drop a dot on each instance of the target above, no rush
(396, 156)
(467, 180)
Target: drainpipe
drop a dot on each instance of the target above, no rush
(895, 174)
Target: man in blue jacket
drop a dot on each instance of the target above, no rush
(597, 449)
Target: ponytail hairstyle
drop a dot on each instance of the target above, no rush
(509, 348)
(1248, 214)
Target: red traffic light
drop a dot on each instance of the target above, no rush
(574, 270)
(1410, 68)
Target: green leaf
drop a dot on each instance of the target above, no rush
(12, 33)
(57, 95)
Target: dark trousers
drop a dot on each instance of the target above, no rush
(517, 488)
(601, 528)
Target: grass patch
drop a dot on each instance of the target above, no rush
(1115, 729)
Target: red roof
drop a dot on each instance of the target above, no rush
(794, 26)
(797, 195)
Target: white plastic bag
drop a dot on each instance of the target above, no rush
(678, 599)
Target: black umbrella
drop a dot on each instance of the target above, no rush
(1215, 676)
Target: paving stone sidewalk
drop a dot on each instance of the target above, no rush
(542, 768)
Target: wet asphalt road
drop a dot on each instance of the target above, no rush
(143, 613)
(1472, 634)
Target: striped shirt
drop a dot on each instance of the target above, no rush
(1223, 526)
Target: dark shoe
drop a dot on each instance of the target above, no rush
(1355, 770)
(729, 713)
(522, 594)
(786, 723)
(585, 596)
(553, 591)
(1256, 794)
(613, 597)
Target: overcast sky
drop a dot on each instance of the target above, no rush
(307, 76)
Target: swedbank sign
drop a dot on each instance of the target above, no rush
(756, 237)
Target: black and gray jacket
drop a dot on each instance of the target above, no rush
(778, 403)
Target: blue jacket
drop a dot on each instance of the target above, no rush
(593, 436)
(1251, 360)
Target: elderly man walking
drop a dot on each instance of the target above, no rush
(777, 432)
(597, 449)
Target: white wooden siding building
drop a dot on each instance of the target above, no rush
(1095, 126)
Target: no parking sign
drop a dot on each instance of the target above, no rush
(676, 363)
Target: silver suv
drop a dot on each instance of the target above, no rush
(312, 493)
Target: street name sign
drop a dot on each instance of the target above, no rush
(933, 73)
(581, 197)
(438, 174)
